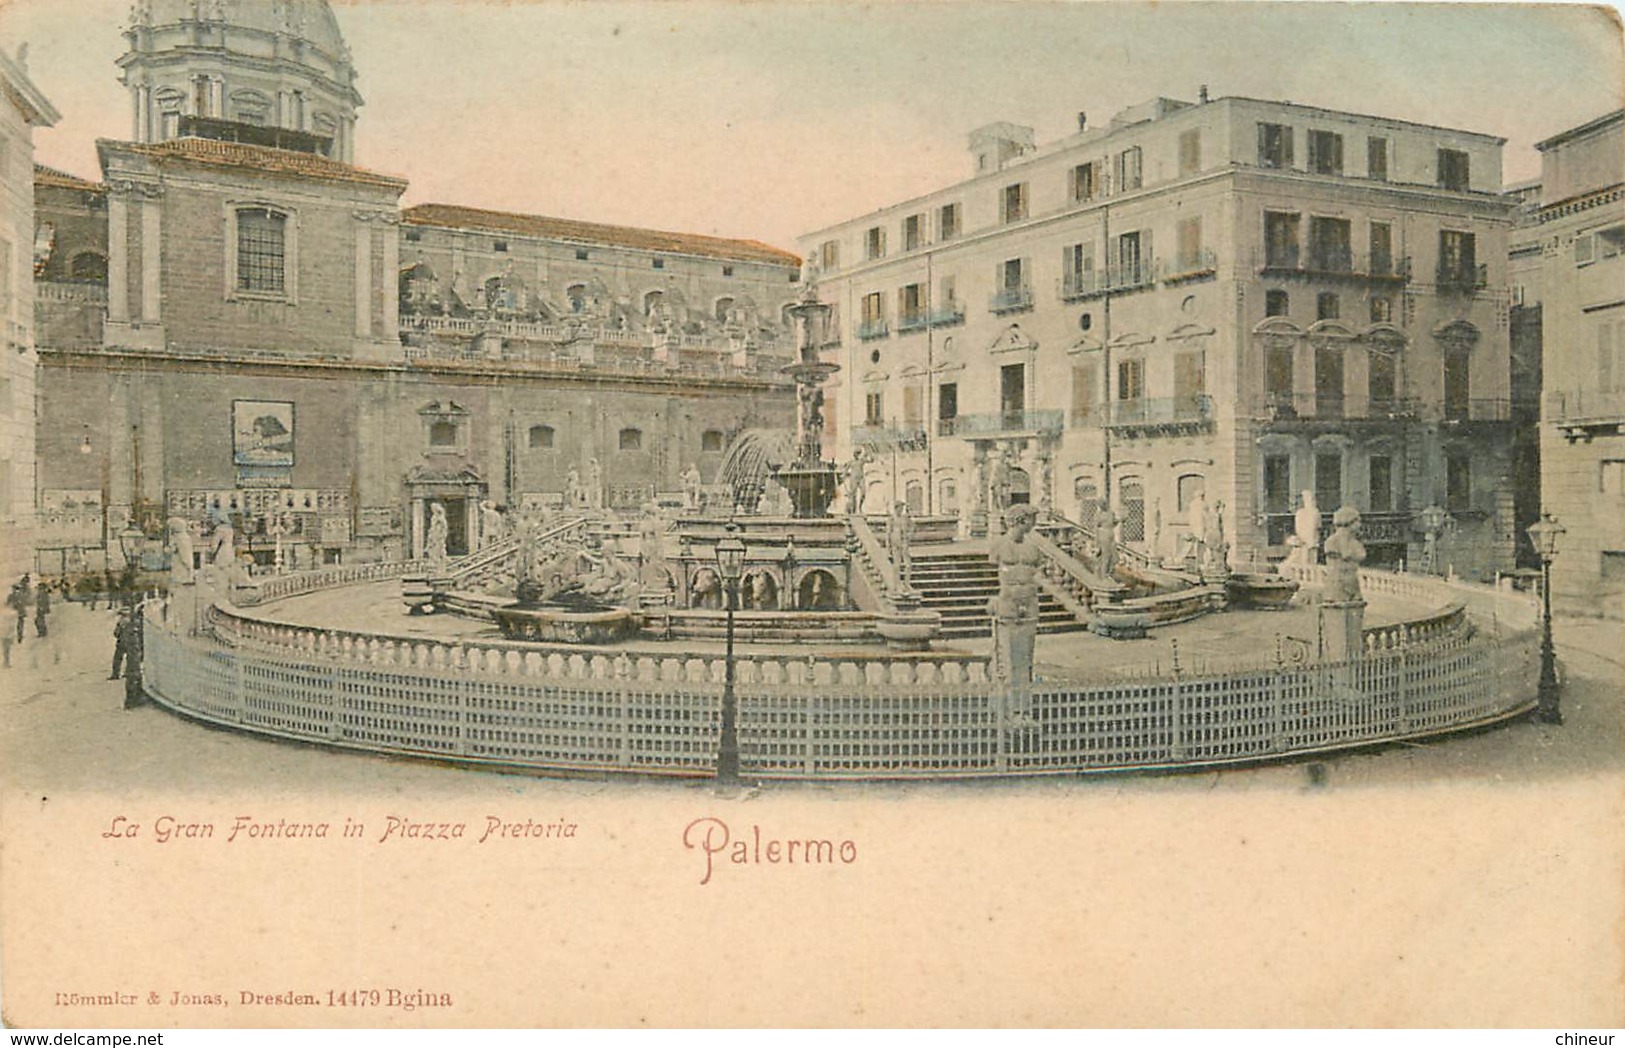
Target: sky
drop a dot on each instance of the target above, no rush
(768, 120)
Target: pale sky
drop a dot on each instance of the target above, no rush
(771, 119)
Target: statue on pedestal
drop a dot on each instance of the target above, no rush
(180, 551)
(690, 479)
(1306, 526)
(1106, 541)
(595, 484)
(434, 542)
(493, 528)
(1344, 555)
(1215, 551)
(900, 538)
(854, 483)
(574, 497)
(1015, 612)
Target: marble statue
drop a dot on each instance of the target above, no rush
(574, 497)
(1196, 528)
(1015, 609)
(1215, 551)
(1306, 526)
(854, 483)
(1344, 555)
(1106, 542)
(223, 551)
(595, 484)
(900, 539)
(434, 542)
(691, 488)
(493, 527)
(180, 551)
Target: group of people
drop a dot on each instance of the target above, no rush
(30, 599)
(25, 596)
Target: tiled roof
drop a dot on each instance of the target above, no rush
(540, 226)
(50, 176)
(212, 153)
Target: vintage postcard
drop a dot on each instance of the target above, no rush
(690, 514)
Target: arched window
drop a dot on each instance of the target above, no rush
(577, 294)
(541, 436)
(88, 266)
(631, 439)
(724, 305)
(711, 440)
(1190, 486)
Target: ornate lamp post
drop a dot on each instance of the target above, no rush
(1544, 533)
(730, 564)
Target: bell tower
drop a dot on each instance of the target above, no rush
(268, 72)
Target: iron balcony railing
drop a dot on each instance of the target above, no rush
(1090, 283)
(1189, 267)
(873, 329)
(912, 322)
(1011, 300)
(1463, 278)
(1309, 406)
(907, 436)
(1586, 405)
(1191, 407)
(950, 313)
(996, 423)
(1477, 409)
(1330, 263)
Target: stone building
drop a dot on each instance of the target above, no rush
(1232, 301)
(1579, 238)
(22, 109)
(245, 328)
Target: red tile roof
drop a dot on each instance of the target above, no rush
(212, 153)
(453, 216)
(50, 176)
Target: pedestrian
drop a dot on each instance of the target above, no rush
(42, 607)
(21, 596)
(122, 640)
(134, 694)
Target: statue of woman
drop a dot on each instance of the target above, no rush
(1306, 525)
(1344, 555)
(434, 544)
(180, 551)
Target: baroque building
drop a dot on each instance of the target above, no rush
(22, 109)
(1236, 301)
(241, 326)
(1574, 251)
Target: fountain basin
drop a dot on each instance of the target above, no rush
(1259, 591)
(572, 624)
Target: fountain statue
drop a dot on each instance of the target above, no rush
(434, 544)
(1015, 612)
(809, 479)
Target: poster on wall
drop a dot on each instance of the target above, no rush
(262, 433)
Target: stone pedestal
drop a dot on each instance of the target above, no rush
(1342, 626)
(1013, 642)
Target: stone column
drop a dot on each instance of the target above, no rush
(151, 255)
(118, 254)
(363, 277)
(391, 277)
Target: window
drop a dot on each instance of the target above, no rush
(1012, 275)
(1610, 340)
(1077, 269)
(1134, 258)
(442, 434)
(1128, 169)
(581, 254)
(1611, 242)
(1453, 170)
(1013, 390)
(499, 245)
(1084, 393)
(1458, 264)
(1458, 481)
(1380, 474)
(1130, 379)
(1190, 385)
(657, 263)
(1382, 309)
(913, 236)
(1187, 488)
(1278, 371)
(873, 324)
(1381, 377)
(1328, 480)
(1327, 305)
(1281, 239)
(948, 221)
(1085, 182)
(541, 437)
(1611, 476)
(1329, 380)
(261, 247)
(874, 243)
(711, 440)
(1274, 145)
(948, 401)
(913, 406)
(1325, 153)
(911, 304)
(829, 255)
(1190, 152)
(1382, 249)
(1013, 203)
(1330, 249)
(1276, 303)
(1277, 484)
(631, 439)
(874, 408)
(1190, 244)
(1458, 383)
(1376, 159)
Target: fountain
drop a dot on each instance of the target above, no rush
(809, 479)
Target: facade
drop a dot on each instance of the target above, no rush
(1579, 233)
(1231, 302)
(245, 329)
(22, 109)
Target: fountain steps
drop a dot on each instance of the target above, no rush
(958, 586)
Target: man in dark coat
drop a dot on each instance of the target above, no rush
(21, 596)
(134, 695)
(42, 607)
(123, 639)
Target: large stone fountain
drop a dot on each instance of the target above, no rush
(810, 479)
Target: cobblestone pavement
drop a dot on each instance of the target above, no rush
(62, 727)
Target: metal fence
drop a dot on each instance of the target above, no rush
(610, 711)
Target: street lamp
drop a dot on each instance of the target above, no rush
(1544, 534)
(730, 563)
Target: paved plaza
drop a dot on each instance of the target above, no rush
(64, 727)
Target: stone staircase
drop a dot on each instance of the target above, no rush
(958, 586)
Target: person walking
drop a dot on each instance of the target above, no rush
(18, 600)
(42, 607)
(122, 642)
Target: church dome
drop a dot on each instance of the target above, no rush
(309, 20)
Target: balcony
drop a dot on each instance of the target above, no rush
(1310, 409)
(870, 330)
(1462, 280)
(951, 313)
(1161, 416)
(1586, 413)
(1465, 411)
(910, 436)
(1183, 269)
(1011, 300)
(911, 322)
(1093, 283)
(1009, 424)
(1334, 265)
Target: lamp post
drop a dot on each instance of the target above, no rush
(730, 564)
(1544, 534)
